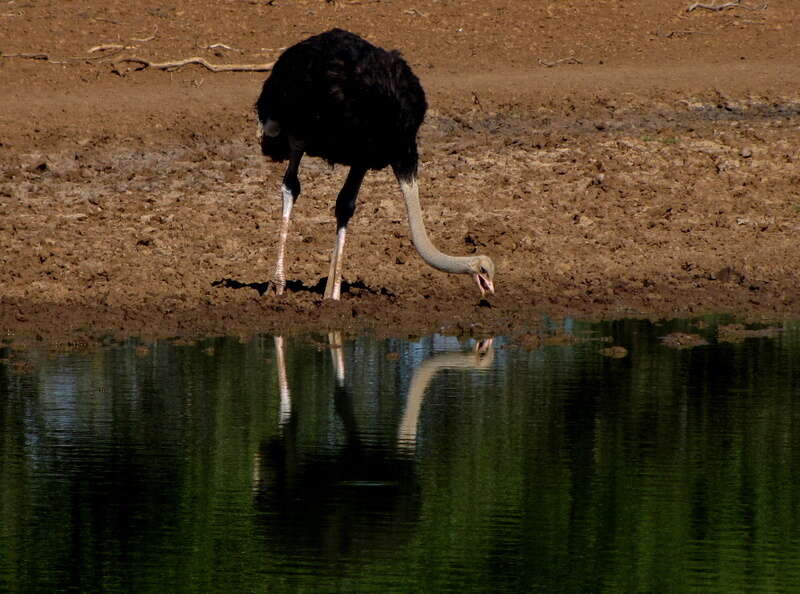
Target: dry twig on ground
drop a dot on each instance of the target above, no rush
(726, 6)
(107, 51)
(108, 46)
(176, 64)
(221, 46)
(570, 60)
(146, 39)
(26, 56)
(67, 60)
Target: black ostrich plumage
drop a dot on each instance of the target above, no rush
(345, 100)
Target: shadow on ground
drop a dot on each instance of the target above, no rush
(300, 287)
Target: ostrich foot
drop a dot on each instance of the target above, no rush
(276, 286)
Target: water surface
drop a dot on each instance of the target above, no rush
(287, 464)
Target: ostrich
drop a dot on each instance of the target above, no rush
(339, 97)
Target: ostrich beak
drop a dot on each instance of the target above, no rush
(482, 346)
(484, 284)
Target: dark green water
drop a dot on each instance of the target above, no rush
(404, 466)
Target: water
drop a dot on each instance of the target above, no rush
(283, 465)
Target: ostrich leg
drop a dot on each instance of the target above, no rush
(345, 207)
(283, 382)
(290, 190)
(337, 356)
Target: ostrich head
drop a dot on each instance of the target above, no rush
(482, 269)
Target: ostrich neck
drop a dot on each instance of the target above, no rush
(407, 433)
(419, 235)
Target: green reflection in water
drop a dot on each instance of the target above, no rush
(292, 465)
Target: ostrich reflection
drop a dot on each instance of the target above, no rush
(480, 358)
(359, 497)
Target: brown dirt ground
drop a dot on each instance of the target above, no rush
(657, 174)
